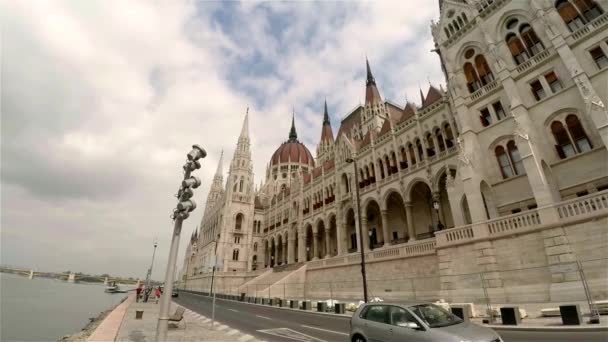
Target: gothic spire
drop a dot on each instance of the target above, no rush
(326, 132)
(370, 77)
(218, 172)
(293, 136)
(245, 129)
(372, 94)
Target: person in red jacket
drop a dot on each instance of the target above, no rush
(157, 293)
(138, 291)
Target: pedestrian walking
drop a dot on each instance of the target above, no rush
(157, 293)
(138, 291)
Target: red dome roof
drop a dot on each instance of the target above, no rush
(292, 151)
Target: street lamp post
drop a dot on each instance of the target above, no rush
(436, 206)
(184, 206)
(149, 275)
(354, 161)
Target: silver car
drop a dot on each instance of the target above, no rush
(385, 322)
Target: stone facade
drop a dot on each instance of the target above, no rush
(504, 170)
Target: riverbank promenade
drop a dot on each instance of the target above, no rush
(121, 325)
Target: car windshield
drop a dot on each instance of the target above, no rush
(435, 316)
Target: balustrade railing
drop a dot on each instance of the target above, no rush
(592, 26)
(513, 222)
(455, 235)
(583, 205)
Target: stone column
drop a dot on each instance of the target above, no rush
(315, 245)
(284, 256)
(302, 247)
(364, 232)
(385, 232)
(291, 252)
(327, 243)
(340, 233)
(410, 221)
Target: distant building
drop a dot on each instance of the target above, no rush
(505, 169)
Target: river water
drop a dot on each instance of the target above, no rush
(45, 309)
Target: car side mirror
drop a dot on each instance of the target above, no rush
(410, 325)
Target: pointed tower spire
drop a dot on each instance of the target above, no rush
(245, 129)
(293, 136)
(218, 172)
(372, 94)
(421, 95)
(325, 114)
(370, 77)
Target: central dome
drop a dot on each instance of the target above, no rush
(292, 151)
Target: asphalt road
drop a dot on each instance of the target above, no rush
(280, 325)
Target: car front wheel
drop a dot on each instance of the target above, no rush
(358, 338)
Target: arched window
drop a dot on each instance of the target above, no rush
(517, 49)
(522, 41)
(419, 148)
(531, 39)
(449, 136)
(577, 133)
(569, 15)
(471, 76)
(483, 70)
(564, 145)
(235, 255)
(412, 154)
(439, 137)
(381, 167)
(368, 176)
(430, 145)
(255, 246)
(518, 165)
(589, 8)
(238, 222)
(447, 33)
(235, 185)
(387, 163)
(503, 162)
(394, 167)
(476, 70)
(345, 184)
(373, 172)
(403, 162)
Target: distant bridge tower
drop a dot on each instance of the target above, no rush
(105, 281)
(71, 278)
(31, 276)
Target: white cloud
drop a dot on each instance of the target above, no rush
(101, 101)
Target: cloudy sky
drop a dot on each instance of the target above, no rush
(101, 100)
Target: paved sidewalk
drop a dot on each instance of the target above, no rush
(107, 330)
(196, 327)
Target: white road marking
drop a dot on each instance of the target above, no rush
(331, 331)
(291, 334)
(264, 317)
(233, 310)
(232, 332)
(222, 327)
(245, 338)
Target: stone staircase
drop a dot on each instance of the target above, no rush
(266, 283)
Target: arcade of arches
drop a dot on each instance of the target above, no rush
(391, 220)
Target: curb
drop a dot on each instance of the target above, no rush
(312, 312)
(234, 334)
(547, 328)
